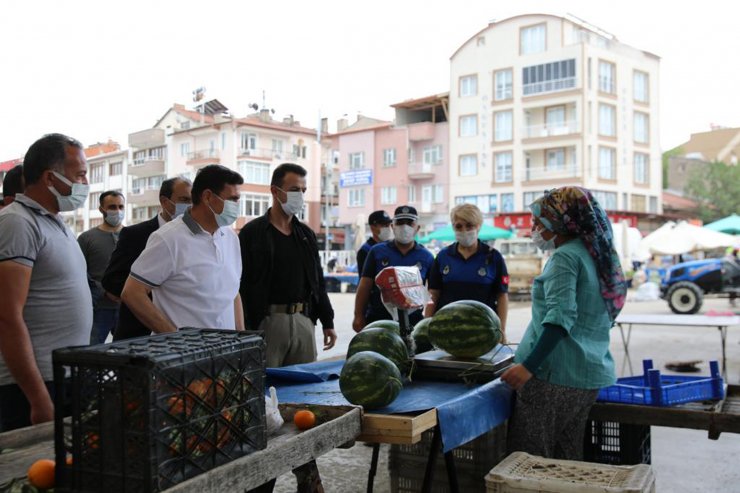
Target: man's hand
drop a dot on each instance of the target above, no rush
(330, 338)
(43, 410)
(516, 376)
(358, 323)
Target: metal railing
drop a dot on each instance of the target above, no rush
(567, 170)
(203, 154)
(268, 153)
(549, 86)
(551, 129)
(140, 161)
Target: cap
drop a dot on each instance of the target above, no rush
(406, 212)
(379, 217)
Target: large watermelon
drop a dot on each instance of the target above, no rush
(391, 325)
(370, 380)
(421, 335)
(466, 329)
(382, 341)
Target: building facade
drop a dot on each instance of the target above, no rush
(539, 101)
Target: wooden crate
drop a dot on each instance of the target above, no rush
(398, 428)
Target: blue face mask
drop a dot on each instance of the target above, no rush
(75, 199)
(542, 243)
(228, 215)
(180, 209)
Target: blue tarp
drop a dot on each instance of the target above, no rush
(463, 411)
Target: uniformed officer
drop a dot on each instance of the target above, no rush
(402, 251)
(469, 269)
(380, 226)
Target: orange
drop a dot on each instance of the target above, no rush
(41, 474)
(304, 419)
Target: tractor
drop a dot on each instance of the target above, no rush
(685, 285)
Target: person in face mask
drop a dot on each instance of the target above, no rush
(97, 245)
(192, 265)
(563, 359)
(174, 198)
(380, 227)
(402, 251)
(469, 269)
(46, 302)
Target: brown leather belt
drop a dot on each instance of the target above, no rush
(289, 309)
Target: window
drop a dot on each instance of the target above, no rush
(412, 194)
(299, 151)
(487, 204)
(389, 157)
(255, 172)
(549, 77)
(607, 200)
(356, 160)
(532, 39)
(247, 142)
(140, 213)
(607, 77)
(468, 85)
(503, 167)
(223, 140)
(641, 168)
(388, 195)
(555, 116)
(555, 159)
(653, 204)
(432, 154)
(253, 204)
(426, 195)
(97, 173)
(94, 200)
(530, 197)
(439, 194)
(507, 202)
(607, 120)
(469, 126)
(503, 126)
(115, 169)
(638, 203)
(607, 163)
(184, 149)
(641, 127)
(277, 148)
(469, 165)
(356, 197)
(640, 86)
(503, 85)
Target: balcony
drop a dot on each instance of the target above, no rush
(263, 153)
(421, 171)
(143, 196)
(431, 208)
(555, 129)
(550, 173)
(421, 131)
(202, 158)
(548, 86)
(148, 166)
(153, 137)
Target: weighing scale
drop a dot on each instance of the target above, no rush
(440, 365)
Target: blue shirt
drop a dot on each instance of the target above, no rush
(481, 277)
(386, 254)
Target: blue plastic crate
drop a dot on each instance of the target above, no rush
(654, 389)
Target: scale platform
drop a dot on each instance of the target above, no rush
(440, 365)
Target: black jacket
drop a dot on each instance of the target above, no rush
(257, 263)
(131, 242)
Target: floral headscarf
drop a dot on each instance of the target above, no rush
(575, 211)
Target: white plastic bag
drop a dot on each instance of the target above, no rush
(272, 413)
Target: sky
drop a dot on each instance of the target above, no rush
(102, 69)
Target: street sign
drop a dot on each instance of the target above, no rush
(355, 178)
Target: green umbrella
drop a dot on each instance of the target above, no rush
(486, 233)
(729, 225)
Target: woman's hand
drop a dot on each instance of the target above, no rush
(516, 376)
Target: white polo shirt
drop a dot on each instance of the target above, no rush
(194, 275)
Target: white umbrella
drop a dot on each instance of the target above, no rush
(676, 239)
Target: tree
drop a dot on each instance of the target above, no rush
(716, 187)
(676, 151)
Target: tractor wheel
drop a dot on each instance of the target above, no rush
(685, 298)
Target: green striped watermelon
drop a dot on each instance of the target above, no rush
(370, 380)
(466, 329)
(421, 335)
(383, 341)
(385, 324)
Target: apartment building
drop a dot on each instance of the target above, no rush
(384, 164)
(719, 144)
(107, 166)
(539, 101)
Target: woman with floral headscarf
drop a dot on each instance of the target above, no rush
(563, 358)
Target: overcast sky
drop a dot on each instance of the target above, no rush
(99, 70)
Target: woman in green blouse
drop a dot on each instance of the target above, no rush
(563, 359)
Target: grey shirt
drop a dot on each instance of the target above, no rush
(58, 310)
(97, 246)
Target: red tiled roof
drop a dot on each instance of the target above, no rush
(8, 165)
(193, 115)
(255, 121)
(675, 201)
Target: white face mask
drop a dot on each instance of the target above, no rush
(114, 218)
(467, 238)
(404, 233)
(294, 203)
(228, 215)
(542, 243)
(75, 199)
(385, 233)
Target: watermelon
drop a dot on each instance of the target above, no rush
(421, 335)
(370, 380)
(382, 341)
(466, 329)
(391, 325)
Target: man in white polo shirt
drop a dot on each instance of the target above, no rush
(192, 265)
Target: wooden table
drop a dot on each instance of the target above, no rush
(720, 322)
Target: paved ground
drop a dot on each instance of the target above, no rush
(684, 460)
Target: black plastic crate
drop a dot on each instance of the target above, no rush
(148, 413)
(614, 443)
(473, 460)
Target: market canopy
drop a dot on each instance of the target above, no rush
(487, 233)
(729, 225)
(676, 239)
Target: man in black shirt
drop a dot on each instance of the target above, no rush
(380, 226)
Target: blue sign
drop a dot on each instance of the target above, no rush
(356, 178)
